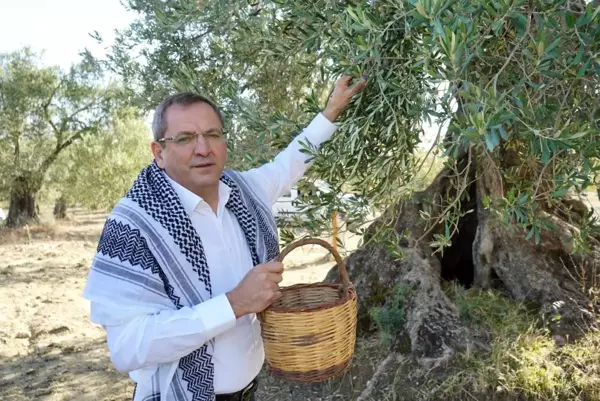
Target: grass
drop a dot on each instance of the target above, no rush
(513, 357)
(391, 316)
(521, 359)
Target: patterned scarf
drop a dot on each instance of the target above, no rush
(150, 257)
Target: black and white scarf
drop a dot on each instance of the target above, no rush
(150, 258)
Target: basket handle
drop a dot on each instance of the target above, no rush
(316, 241)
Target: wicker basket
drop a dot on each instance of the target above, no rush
(310, 332)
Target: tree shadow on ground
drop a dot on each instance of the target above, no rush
(27, 235)
(37, 271)
(82, 371)
(71, 371)
(80, 225)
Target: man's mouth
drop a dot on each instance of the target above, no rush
(203, 165)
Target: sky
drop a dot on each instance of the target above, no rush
(60, 28)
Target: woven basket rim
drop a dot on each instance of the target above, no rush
(349, 294)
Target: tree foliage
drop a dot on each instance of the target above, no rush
(98, 170)
(515, 82)
(211, 48)
(43, 111)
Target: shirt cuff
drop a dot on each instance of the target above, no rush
(216, 315)
(319, 130)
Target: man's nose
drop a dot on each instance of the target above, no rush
(201, 147)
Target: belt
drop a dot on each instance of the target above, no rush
(243, 395)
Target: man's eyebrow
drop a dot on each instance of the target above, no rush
(219, 130)
(211, 130)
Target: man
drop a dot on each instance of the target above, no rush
(185, 260)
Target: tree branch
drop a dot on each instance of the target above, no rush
(59, 148)
(511, 55)
(539, 181)
(47, 113)
(17, 151)
(199, 35)
(456, 200)
(72, 139)
(84, 108)
(63, 125)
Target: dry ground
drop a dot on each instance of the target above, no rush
(49, 350)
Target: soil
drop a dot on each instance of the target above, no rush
(49, 349)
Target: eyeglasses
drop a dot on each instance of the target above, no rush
(191, 138)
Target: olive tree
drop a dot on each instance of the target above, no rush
(97, 171)
(44, 111)
(512, 85)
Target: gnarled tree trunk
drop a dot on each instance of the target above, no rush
(23, 207)
(484, 253)
(60, 208)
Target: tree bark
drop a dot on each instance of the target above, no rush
(23, 207)
(547, 275)
(60, 208)
(432, 329)
(483, 253)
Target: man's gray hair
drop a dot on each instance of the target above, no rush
(159, 122)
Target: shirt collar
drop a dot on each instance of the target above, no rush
(192, 202)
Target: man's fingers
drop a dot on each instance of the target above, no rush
(275, 277)
(358, 87)
(273, 286)
(274, 267)
(344, 80)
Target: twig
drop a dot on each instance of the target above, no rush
(435, 143)
(456, 200)
(511, 55)
(539, 181)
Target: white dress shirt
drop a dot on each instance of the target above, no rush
(150, 340)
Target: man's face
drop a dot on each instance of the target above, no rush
(198, 163)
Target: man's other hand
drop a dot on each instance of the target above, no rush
(258, 289)
(341, 96)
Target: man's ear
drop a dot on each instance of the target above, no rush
(157, 151)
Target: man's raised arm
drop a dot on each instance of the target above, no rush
(278, 177)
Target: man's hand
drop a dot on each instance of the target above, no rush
(341, 96)
(258, 289)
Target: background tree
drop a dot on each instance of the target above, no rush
(43, 111)
(97, 171)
